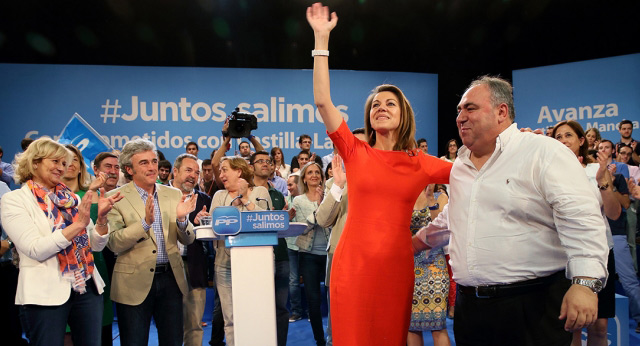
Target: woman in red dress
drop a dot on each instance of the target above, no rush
(372, 274)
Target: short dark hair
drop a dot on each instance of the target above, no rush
(24, 143)
(160, 155)
(164, 164)
(623, 145)
(206, 162)
(608, 141)
(194, 143)
(421, 140)
(625, 121)
(252, 159)
(359, 131)
(306, 152)
(249, 144)
(178, 162)
(100, 157)
(303, 136)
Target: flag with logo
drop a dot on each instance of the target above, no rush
(84, 137)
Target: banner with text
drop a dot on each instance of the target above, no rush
(596, 93)
(172, 106)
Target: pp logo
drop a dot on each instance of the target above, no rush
(226, 220)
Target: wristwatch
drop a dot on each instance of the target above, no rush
(594, 284)
(435, 207)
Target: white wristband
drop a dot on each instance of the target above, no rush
(318, 52)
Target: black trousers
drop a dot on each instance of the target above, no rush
(525, 319)
(11, 329)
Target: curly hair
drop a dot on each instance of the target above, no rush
(240, 164)
(41, 148)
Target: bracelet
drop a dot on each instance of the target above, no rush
(102, 224)
(319, 52)
(246, 205)
(435, 207)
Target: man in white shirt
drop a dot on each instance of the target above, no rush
(521, 213)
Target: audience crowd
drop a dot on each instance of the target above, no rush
(129, 229)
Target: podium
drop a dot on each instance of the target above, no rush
(251, 236)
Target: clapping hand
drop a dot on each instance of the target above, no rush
(186, 205)
(105, 204)
(98, 182)
(148, 210)
(339, 176)
(634, 189)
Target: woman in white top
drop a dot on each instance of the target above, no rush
(312, 243)
(571, 134)
(54, 236)
(282, 169)
(240, 192)
(452, 150)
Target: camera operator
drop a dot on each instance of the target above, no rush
(238, 125)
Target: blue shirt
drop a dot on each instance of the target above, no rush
(622, 168)
(157, 224)
(280, 184)
(7, 173)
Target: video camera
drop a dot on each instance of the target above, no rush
(241, 124)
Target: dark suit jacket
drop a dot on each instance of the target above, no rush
(196, 255)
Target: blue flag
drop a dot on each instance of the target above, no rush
(79, 133)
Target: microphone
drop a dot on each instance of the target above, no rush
(264, 199)
(233, 200)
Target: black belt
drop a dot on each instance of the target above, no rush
(522, 287)
(162, 268)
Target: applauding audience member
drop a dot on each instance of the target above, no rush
(55, 237)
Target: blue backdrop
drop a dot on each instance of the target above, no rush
(597, 93)
(174, 105)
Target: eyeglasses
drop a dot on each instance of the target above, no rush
(261, 161)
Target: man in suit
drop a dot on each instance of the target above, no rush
(148, 278)
(185, 177)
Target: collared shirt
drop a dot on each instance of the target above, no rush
(157, 224)
(280, 184)
(528, 212)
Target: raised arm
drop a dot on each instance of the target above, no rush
(322, 24)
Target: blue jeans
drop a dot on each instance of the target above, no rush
(329, 337)
(282, 292)
(46, 325)
(295, 299)
(627, 274)
(164, 303)
(312, 268)
(223, 285)
(217, 323)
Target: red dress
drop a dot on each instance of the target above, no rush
(372, 275)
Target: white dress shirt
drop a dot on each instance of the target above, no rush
(529, 212)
